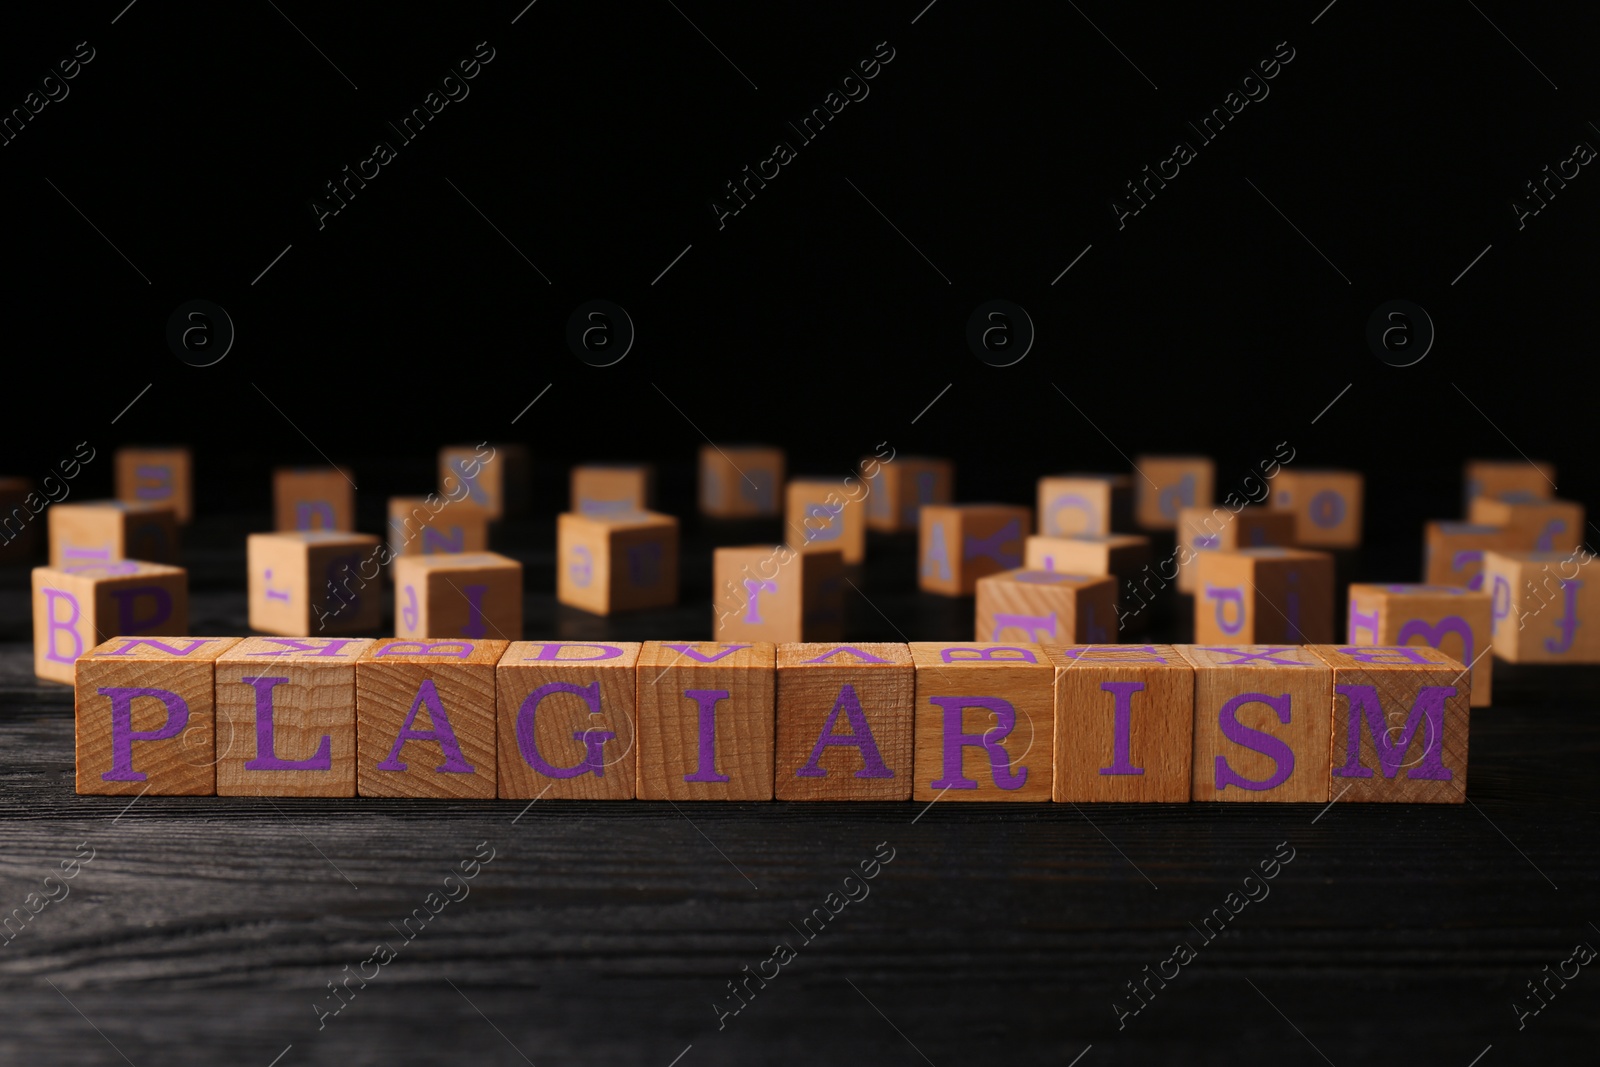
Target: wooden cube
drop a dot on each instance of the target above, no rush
(566, 723)
(706, 720)
(1514, 480)
(77, 608)
(1326, 505)
(1117, 555)
(1264, 596)
(612, 489)
(1263, 717)
(820, 516)
(740, 481)
(776, 594)
(985, 721)
(1403, 713)
(145, 716)
(1213, 529)
(899, 489)
(1124, 724)
(1541, 611)
(313, 498)
(286, 717)
(495, 477)
(607, 563)
(20, 507)
(1453, 551)
(425, 719)
(1539, 526)
(313, 582)
(1451, 618)
(103, 531)
(1046, 607)
(960, 543)
(1083, 505)
(1166, 484)
(475, 594)
(429, 525)
(844, 716)
(159, 476)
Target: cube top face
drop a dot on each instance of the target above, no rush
(315, 538)
(1410, 589)
(161, 649)
(977, 655)
(301, 651)
(1048, 579)
(98, 570)
(1153, 656)
(1168, 484)
(1465, 529)
(823, 654)
(571, 653)
(1253, 657)
(460, 653)
(128, 507)
(1281, 552)
(664, 654)
(636, 520)
(610, 489)
(1540, 558)
(422, 566)
(1385, 657)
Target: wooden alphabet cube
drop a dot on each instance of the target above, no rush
(1543, 607)
(1326, 505)
(899, 488)
(1166, 484)
(607, 563)
(775, 594)
(103, 531)
(425, 719)
(1513, 480)
(985, 721)
(475, 594)
(1083, 505)
(844, 717)
(612, 489)
(1539, 526)
(566, 723)
(1451, 618)
(160, 476)
(313, 498)
(145, 716)
(1453, 551)
(1118, 555)
(429, 525)
(286, 717)
(706, 720)
(1400, 720)
(1263, 716)
(1124, 724)
(20, 507)
(495, 477)
(740, 481)
(1221, 529)
(821, 516)
(1264, 596)
(77, 608)
(960, 543)
(313, 582)
(1046, 607)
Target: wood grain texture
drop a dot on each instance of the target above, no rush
(1083, 505)
(582, 688)
(821, 516)
(1453, 551)
(985, 721)
(313, 498)
(1167, 484)
(1264, 596)
(1118, 555)
(313, 716)
(901, 487)
(310, 582)
(714, 746)
(78, 607)
(1454, 619)
(610, 563)
(425, 718)
(160, 476)
(1508, 480)
(611, 489)
(850, 707)
(1277, 751)
(433, 524)
(740, 481)
(103, 531)
(1543, 607)
(1223, 529)
(1537, 526)
(776, 594)
(495, 476)
(1413, 703)
(1050, 607)
(1326, 505)
(960, 543)
(1124, 724)
(472, 595)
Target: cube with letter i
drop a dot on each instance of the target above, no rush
(773, 593)
(899, 488)
(425, 719)
(286, 717)
(1221, 529)
(1519, 481)
(78, 607)
(1538, 525)
(494, 477)
(705, 720)
(1124, 723)
(607, 563)
(158, 476)
(1049, 607)
(1326, 505)
(566, 722)
(314, 582)
(1260, 595)
(1164, 485)
(313, 498)
(612, 489)
(1400, 719)
(475, 594)
(740, 481)
(1452, 618)
(1262, 719)
(844, 721)
(103, 531)
(819, 516)
(1543, 607)
(432, 525)
(1083, 505)
(985, 721)
(960, 543)
(146, 715)
(1453, 551)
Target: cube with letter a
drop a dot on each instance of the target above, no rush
(286, 717)
(1453, 551)
(1519, 481)
(1083, 505)
(313, 498)
(607, 563)
(76, 608)
(1452, 618)
(612, 489)
(1124, 723)
(159, 476)
(313, 582)
(432, 525)
(1538, 525)
(1046, 607)
(1164, 485)
(820, 517)
(495, 477)
(960, 543)
(1326, 506)
(146, 715)
(1543, 607)
(740, 481)
(705, 720)
(1400, 719)
(1261, 595)
(773, 593)
(566, 722)
(844, 715)
(985, 721)
(1262, 719)
(898, 489)
(425, 719)
(1222, 529)
(103, 531)
(475, 594)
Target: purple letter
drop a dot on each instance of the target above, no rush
(53, 624)
(707, 700)
(128, 622)
(266, 759)
(859, 737)
(955, 740)
(1122, 736)
(1223, 597)
(593, 740)
(1273, 748)
(1364, 702)
(454, 761)
(123, 735)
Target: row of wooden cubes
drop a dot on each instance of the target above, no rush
(720, 721)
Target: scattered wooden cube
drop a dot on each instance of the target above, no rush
(429, 525)
(425, 719)
(1423, 760)
(1046, 607)
(1541, 611)
(607, 563)
(1513, 480)
(612, 489)
(1326, 505)
(20, 506)
(1083, 505)
(985, 721)
(286, 717)
(145, 715)
(1538, 526)
(1219, 529)
(899, 488)
(1264, 596)
(77, 608)
(566, 722)
(776, 594)
(1451, 618)
(160, 476)
(313, 498)
(1124, 724)
(475, 594)
(313, 582)
(1453, 551)
(1263, 717)
(495, 477)
(1120, 556)
(740, 481)
(103, 531)
(820, 516)
(844, 718)
(1166, 484)
(706, 720)
(960, 543)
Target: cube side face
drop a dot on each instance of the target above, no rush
(1453, 552)
(1170, 483)
(756, 594)
(1327, 506)
(341, 600)
(474, 596)
(984, 722)
(1454, 620)
(938, 550)
(1045, 607)
(583, 563)
(1538, 614)
(1518, 482)
(157, 476)
(484, 479)
(822, 576)
(1124, 724)
(820, 517)
(566, 720)
(1075, 507)
(453, 528)
(1538, 526)
(740, 482)
(844, 722)
(312, 499)
(643, 566)
(1224, 600)
(1293, 594)
(279, 586)
(902, 487)
(598, 490)
(706, 718)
